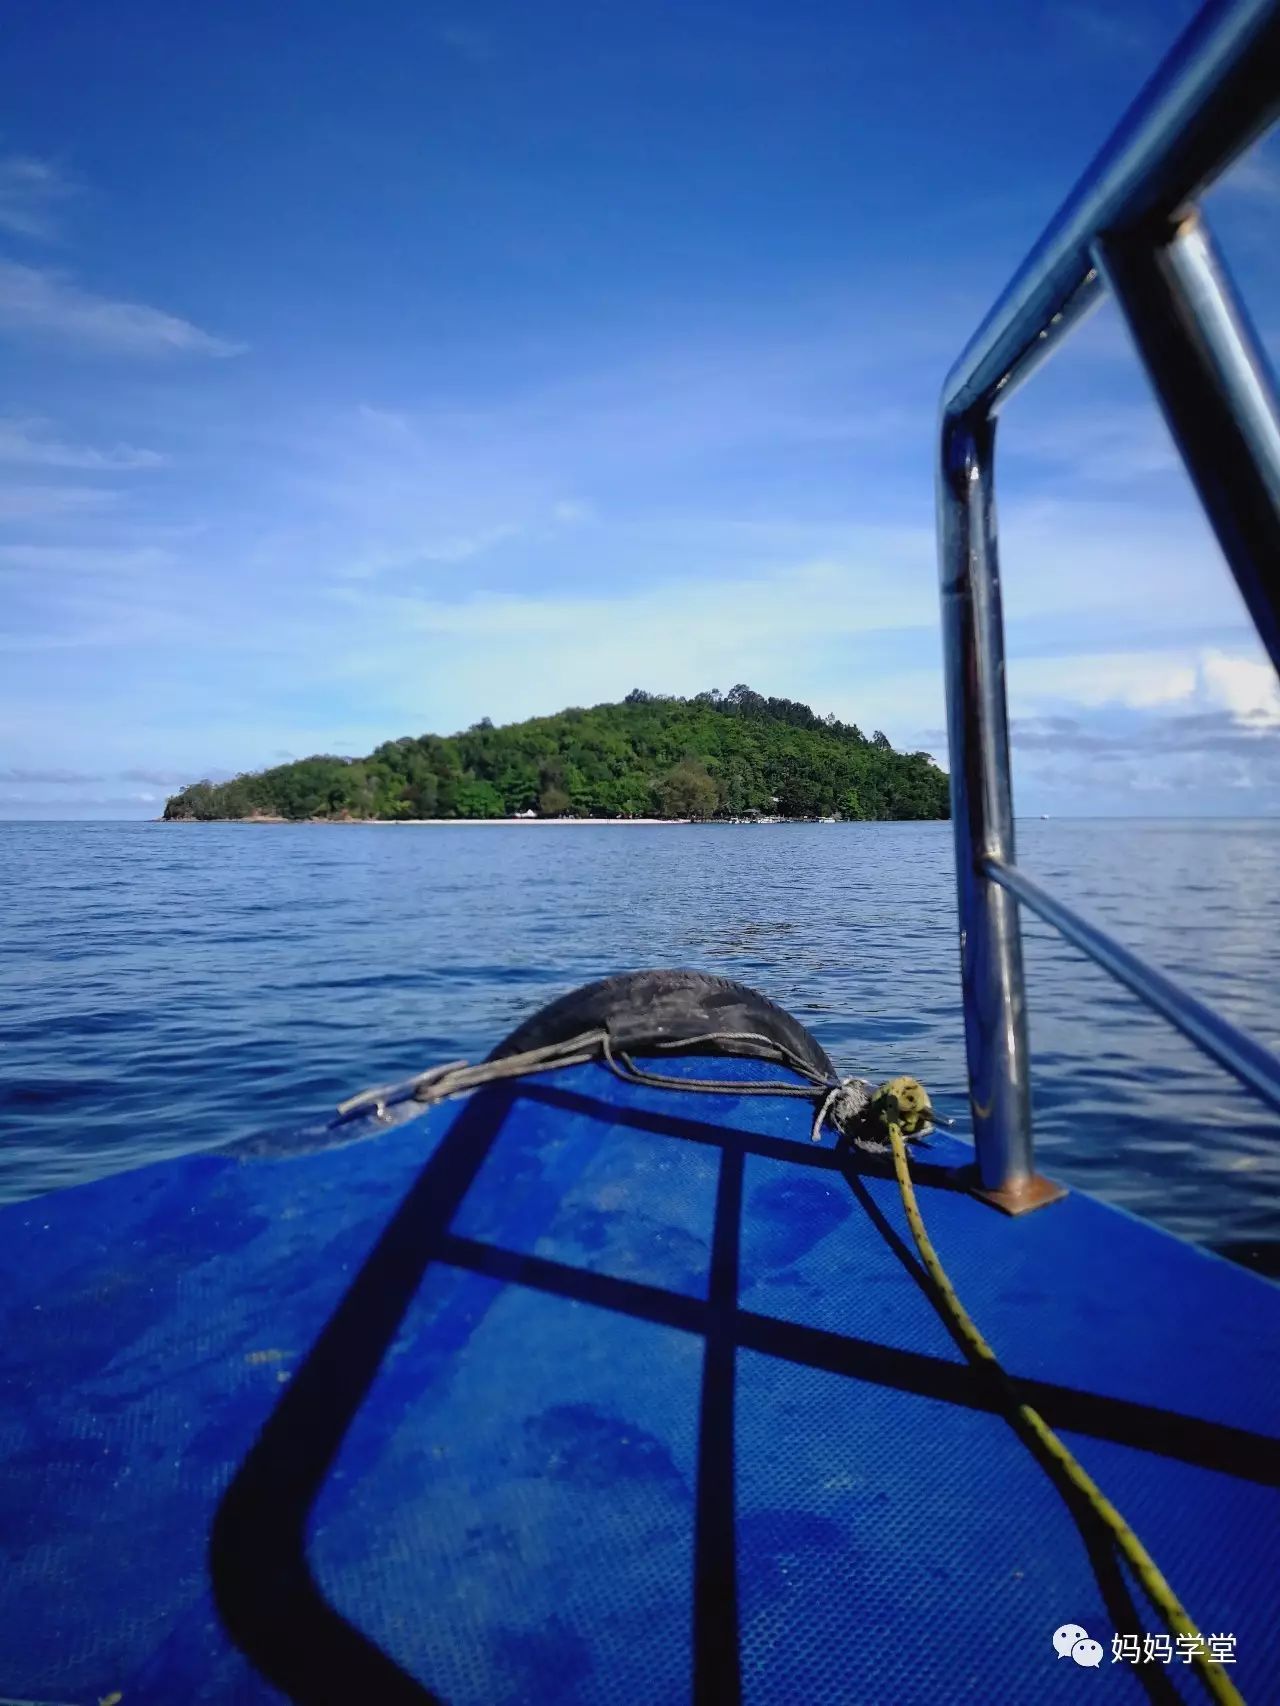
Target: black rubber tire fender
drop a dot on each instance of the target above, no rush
(641, 1008)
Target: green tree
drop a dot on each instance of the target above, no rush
(688, 791)
(478, 799)
(553, 801)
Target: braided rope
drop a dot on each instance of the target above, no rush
(851, 1107)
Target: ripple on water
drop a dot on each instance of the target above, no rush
(173, 989)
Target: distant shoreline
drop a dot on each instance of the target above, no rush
(711, 757)
(441, 822)
(544, 822)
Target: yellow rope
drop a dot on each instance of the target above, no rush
(1143, 1564)
(900, 1108)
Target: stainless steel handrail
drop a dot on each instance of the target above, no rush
(1129, 225)
(1252, 1063)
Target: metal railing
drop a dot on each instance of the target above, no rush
(1130, 225)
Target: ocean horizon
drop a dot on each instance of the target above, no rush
(173, 992)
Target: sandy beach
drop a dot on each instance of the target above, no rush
(522, 822)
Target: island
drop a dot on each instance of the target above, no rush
(731, 756)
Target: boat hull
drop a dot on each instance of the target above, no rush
(587, 1391)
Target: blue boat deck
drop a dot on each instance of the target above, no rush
(586, 1392)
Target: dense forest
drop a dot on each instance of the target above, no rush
(716, 755)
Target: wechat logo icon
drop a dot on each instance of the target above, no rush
(1071, 1641)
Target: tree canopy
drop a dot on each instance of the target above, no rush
(715, 755)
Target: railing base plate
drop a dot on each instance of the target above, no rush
(1035, 1192)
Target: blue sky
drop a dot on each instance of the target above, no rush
(372, 370)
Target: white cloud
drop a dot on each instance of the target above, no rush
(124, 592)
(808, 631)
(1246, 686)
(1203, 725)
(1187, 679)
(463, 547)
(1111, 445)
(36, 300)
(30, 443)
(410, 571)
(825, 597)
(31, 194)
(446, 548)
(1136, 679)
(1073, 558)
